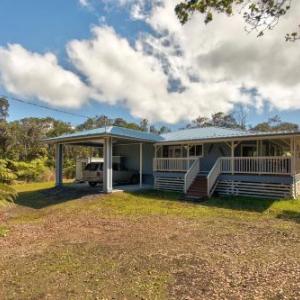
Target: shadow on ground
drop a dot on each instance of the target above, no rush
(232, 203)
(46, 197)
(290, 215)
(241, 203)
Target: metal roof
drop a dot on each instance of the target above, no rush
(192, 134)
(114, 131)
(208, 133)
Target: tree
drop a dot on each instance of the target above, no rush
(219, 119)
(4, 106)
(275, 124)
(95, 122)
(144, 124)
(259, 15)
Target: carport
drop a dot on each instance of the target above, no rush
(137, 144)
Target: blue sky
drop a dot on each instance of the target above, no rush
(48, 26)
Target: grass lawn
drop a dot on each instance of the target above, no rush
(78, 244)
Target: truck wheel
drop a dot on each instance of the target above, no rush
(134, 179)
(93, 184)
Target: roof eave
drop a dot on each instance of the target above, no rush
(93, 136)
(230, 138)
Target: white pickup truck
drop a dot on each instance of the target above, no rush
(93, 173)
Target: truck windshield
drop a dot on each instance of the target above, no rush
(94, 166)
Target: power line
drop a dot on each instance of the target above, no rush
(46, 107)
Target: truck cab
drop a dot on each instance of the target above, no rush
(93, 173)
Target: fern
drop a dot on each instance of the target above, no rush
(6, 174)
(7, 193)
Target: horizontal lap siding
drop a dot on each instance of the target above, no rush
(169, 183)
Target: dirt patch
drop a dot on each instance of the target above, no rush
(88, 254)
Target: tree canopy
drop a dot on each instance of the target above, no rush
(261, 15)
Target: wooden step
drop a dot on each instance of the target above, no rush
(198, 188)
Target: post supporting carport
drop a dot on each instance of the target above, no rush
(141, 165)
(107, 153)
(58, 165)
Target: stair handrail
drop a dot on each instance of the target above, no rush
(191, 174)
(212, 176)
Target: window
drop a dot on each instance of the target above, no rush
(196, 150)
(94, 166)
(116, 166)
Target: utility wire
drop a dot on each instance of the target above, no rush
(46, 107)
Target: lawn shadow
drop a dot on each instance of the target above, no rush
(290, 215)
(152, 194)
(50, 196)
(250, 204)
(227, 202)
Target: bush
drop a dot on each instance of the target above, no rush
(69, 169)
(7, 193)
(6, 174)
(29, 171)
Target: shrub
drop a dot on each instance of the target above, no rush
(6, 174)
(7, 193)
(29, 171)
(69, 169)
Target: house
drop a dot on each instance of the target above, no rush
(199, 161)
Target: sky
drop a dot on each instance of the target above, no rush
(132, 59)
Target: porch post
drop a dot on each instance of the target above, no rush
(58, 165)
(232, 157)
(141, 165)
(107, 153)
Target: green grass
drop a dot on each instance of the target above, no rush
(147, 203)
(75, 243)
(3, 231)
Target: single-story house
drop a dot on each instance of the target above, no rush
(198, 161)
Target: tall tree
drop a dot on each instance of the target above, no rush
(4, 106)
(260, 15)
(219, 119)
(275, 124)
(144, 124)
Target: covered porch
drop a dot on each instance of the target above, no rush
(268, 156)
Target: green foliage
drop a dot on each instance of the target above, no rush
(4, 106)
(29, 171)
(7, 193)
(219, 119)
(69, 169)
(6, 174)
(259, 15)
(275, 124)
(3, 231)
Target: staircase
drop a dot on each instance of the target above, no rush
(198, 188)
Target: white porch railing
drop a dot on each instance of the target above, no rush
(172, 164)
(191, 174)
(213, 175)
(276, 165)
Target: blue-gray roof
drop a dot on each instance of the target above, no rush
(114, 131)
(192, 134)
(202, 133)
(209, 133)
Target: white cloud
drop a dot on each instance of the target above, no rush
(223, 51)
(84, 2)
(174, 73)
(28, 74)
(127, 75)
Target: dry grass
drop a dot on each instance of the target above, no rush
(61, 244)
